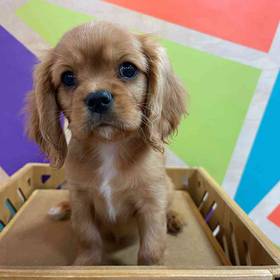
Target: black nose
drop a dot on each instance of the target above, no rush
(99, 101)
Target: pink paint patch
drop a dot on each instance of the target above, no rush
(274, 216)
(251, 23)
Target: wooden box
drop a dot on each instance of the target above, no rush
(218, 241)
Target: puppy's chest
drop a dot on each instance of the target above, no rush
(109, 202)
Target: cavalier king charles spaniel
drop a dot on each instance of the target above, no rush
(122, 100)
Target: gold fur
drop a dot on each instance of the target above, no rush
(146, 111)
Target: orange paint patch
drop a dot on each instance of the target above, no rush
(275, 216)
(251, 23)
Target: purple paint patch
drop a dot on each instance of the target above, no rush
(209, 215)
(45, 178)
(16, 80)
(211, 212)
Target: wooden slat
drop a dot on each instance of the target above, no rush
(119, 273)
(275, 272)
(9, 191)
(180, 176)
(210, 236)
(3, 177)
(57, 176)
(261, 248)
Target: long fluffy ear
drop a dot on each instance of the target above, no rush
(166, 97)
(43, 123)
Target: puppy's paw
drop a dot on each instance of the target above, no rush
(61, 211)
(151, 258)
(88, 258)
(175, 222)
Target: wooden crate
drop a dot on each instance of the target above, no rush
(234, 248)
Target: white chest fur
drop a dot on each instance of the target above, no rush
(107, 172)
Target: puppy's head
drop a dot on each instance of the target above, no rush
(109, 84)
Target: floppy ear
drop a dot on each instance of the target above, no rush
(165, 102)
(43, 123)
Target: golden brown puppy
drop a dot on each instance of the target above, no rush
(122, 101)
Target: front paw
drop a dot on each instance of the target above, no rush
(151, 257)
(175, 222)
(88, 258)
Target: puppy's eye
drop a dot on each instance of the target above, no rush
(68, 79)
(127, 71)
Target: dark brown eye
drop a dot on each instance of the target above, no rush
(68, 79)
(127, 71)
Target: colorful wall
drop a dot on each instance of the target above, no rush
(227, 54)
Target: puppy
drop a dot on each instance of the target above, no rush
(122, 100)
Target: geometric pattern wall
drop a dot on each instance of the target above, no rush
(227, 53)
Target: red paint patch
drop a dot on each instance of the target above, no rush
(274, 216)
(251, 23)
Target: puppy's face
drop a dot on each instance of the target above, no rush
(99, 73)
(110, 84)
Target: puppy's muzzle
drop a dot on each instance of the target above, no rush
(99, 101)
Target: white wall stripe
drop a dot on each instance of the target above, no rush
(248, 132)
(275, 47)
(252, 122)
(173, 160)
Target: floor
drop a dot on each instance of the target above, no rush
(227, 53)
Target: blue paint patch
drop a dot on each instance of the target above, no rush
(9, 205)
(2, 225)
(262, 170)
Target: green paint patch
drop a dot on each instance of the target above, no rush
(49, 20)
(220, 90)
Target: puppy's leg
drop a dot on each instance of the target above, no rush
(175, 222)
(152, 229)
(87, 231)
